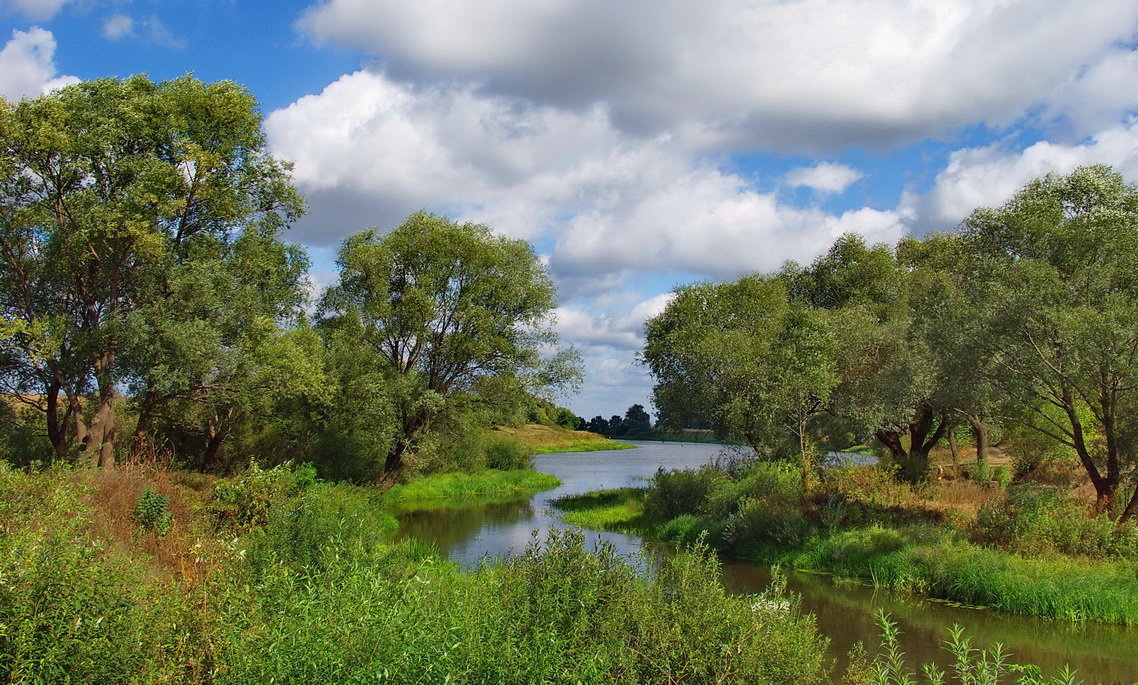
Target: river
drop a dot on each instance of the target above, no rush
(845, 611)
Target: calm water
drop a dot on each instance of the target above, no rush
(845, 612)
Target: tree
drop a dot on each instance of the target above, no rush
(1059, 298)
(443, 304)
(637, 420)
(889, 380)
(107, 188)
(746, 354)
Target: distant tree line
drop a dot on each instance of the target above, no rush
(150, 308)
(1027, 317)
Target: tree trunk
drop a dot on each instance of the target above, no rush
(100, 443)
(1131, 510)
(56, 425)
(980, 438)
(955, 452)
(415, 423)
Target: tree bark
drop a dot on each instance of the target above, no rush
(980, 438)
(955, 452)
(1131, 510)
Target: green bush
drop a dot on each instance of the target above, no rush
(674, 493)
(301, 531)
(1033, 519)
(152, 512)
(505, 454)
(243, 502)
(76, 610)
(555, 613)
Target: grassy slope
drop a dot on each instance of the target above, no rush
(547, 439)
(462, 485)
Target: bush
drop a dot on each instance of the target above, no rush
(505, 454)
(674, 493)
(152, 512)
(73, 609)
(555, 613)
(1033, 519)
(244, 501)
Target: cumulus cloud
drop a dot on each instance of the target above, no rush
(38, 10)
(369, 150)
(810, 74)
(988, 176)
(824, 177)
(27, 65)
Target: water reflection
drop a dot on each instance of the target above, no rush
(845, 611)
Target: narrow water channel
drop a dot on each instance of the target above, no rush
(845, 611)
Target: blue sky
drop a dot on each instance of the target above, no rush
(640, 144)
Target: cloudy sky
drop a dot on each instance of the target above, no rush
(638, 144)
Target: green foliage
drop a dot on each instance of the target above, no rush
(152, 512)
(1036, 519)
(556, 613)
(73, 609)
(504, 454)
(677, 492)
(971, 665)
(244, 502)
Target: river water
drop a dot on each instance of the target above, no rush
(845, 611)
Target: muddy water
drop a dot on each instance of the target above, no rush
(845, 611)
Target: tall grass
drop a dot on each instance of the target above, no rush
(870, 528)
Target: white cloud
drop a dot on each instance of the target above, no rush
(37, 10)
(369, 150)
(27, 66)
(118, 26)
(988, 176)
(810, 74)
(824, 177)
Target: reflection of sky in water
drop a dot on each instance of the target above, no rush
(468, 534)
(845, 612)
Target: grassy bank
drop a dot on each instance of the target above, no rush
(154, 576)
(539, 439)
(444, 486)
(1025, 551)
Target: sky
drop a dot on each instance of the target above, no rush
(639, 145)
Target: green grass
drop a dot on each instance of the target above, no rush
(585, 446)
(620, 510)
(539, 439)
(923, 558)
(464, 485)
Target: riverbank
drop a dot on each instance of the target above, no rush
(150, 575)
(441, 487)
(540, 439)
(955, 542)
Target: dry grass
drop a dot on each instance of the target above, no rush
(184, 554)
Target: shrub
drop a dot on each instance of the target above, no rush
(1031, 519)
(555, 613)
(73, 609)
(676, 492)
(505, 454)
(152, 512)
(244, 501)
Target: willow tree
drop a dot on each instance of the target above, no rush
(443, 304)
(106, 188)
(747, 356)
(1059, 299)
